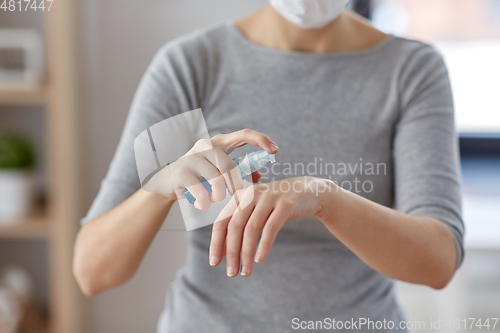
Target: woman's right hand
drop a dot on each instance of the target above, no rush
(208, 159)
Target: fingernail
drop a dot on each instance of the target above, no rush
(230, 271)
(245, 271)
(273, 146)
(213, 260)
(259, 258)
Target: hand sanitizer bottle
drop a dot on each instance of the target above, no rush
(246, 165)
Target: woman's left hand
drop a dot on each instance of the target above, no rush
(261, 209)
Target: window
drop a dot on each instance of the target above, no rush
(467, 33)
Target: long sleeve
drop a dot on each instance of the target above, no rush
(173, 83)
(425, 151)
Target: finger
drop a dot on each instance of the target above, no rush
(198, 191)
(218, 241)
(251, 234)
(218, 188)
(243, 137)
(234, 236)
(274, 223)
(254, 177)
(231, 173)
(236, 179)
(212, 175)
(198, 167)
(227, 168)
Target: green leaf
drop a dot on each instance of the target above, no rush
(16, 152)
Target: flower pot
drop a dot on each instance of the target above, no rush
(16, 195)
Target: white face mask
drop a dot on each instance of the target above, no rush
(309, 14)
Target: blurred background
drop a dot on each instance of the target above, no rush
(67, 78)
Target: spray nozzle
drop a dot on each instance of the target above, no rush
(255, 160)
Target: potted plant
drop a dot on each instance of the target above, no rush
(16, 177)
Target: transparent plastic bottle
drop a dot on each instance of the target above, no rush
(246, 165)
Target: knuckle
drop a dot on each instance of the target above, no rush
(251, 188)
(230, 253)
(246, 131)
(216, 138)
(247, 254)
(219, 226)
(251, 229)
(249, 194)
(234, 227)
(271, 229)
(240, 193)
(203, 144)
(286, 204)
(181, 175)
(257, 188)
(241, 197)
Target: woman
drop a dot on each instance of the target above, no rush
(326, 86)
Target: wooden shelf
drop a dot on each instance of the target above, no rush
(61, 98)
(22, 96)
(32, 227)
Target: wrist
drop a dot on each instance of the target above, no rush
(160, 198)
(326, 192)
(161, 184)
(167, 198)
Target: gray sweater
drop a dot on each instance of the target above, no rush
(378, 122)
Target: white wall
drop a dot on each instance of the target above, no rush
(120, 38)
